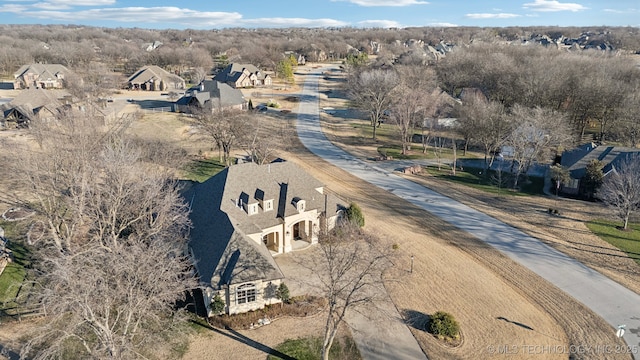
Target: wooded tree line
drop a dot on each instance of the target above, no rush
(125, 49)
(588, 88)
(530, 100)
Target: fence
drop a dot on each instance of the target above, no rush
(160, 109)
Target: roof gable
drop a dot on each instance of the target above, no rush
(153, 72)
(212, 90)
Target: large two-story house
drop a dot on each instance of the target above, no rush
(40, 76)
(243, 75)
(245, 215)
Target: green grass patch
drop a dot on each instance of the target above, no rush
(311, 348)
(15, 273)
(10, 281)
(383, 132)
(627, 241)
(202, 169)
(473, 177)
(415, 153)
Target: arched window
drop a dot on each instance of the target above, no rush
(245, 293)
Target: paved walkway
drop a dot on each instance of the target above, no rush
(613, 302)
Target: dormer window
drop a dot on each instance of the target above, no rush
(252, 208)
(267, 205)
(299, 204)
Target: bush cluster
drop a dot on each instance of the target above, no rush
(443, 325)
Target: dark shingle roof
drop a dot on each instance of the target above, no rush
(218, 240)
(210, 90)
(610, 156)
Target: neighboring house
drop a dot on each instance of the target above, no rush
(242, 76)
(155, 78)
(300, 59)
(46, 105)
(34, 103)
(211, 94)
(40, 76)
(245, 215)
(576, 161)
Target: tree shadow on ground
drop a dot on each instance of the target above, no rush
(232, 334)
(515, 323)
(416, 319)
(153, 104)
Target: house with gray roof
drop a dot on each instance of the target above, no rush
(211, 94)
(243, 75)
(155, 78)
(42, 104)
(34, 104)
(576, 161)
(243, 217)
(40, 76)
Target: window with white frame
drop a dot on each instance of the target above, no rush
(245, 293)
(268, 205)
(252, 208)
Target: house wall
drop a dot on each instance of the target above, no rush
(265, 295)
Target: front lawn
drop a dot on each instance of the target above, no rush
(415, 153)
(311, 348)
(472, 177)
(14, 274)
(627, 241)
(202, 169)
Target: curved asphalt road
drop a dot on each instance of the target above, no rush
(612, 301)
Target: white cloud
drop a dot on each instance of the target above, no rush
(82, 2)
(553, 5)
(53, 10)
(13, 8)
(627, 11)
(492, 16)
(50, 6)
(290, 22)
(443, 24)
(385, 2)
(142, 15)
(379, 24)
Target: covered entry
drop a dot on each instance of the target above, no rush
(301, 230)
(272, 241)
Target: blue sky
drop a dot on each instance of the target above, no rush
(217, 14)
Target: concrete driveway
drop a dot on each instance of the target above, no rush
(610, 300)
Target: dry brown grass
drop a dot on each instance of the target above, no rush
(489, 294)
(495, 300)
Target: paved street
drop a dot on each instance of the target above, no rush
(613, 302)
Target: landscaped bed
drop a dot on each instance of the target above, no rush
(297, 307)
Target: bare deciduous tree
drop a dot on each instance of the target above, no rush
(487, 122)
(112, 265)
(371, 91)
(621, 189)
(537, 132)
(416, 99)
(224, 126)
(350, 270)
(265, 137)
